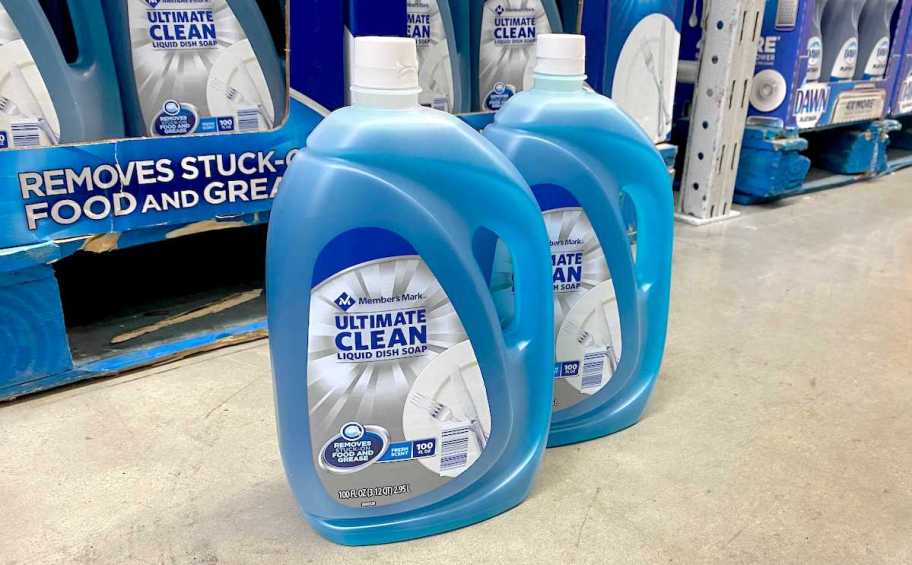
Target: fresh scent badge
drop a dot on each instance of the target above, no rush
(390, 362)
(195, 69)
(507, 47)
(435, 69)
(27, 114)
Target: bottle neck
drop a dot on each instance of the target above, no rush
(558, 83)
(384, 99)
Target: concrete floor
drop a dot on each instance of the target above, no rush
(781, 429)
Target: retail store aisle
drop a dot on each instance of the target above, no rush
(779, 432)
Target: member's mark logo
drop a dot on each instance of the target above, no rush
(345, 301)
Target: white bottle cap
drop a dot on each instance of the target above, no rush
(385, 63)
(561, 54)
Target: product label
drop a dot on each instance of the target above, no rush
(587, 324)
(508, 32)
(844, 66)
(27, 114)
(815, 59)
(435, 71)
(397, 403)
(811, 102)
(195, 69)
(859, 104)
(876, 65)
(904, 100)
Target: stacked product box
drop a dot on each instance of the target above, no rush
(822, 64)
(177, 117)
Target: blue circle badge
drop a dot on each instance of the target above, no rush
(355, 448)
(498, 96)
(175, 119)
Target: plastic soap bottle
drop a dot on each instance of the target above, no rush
(874, 39)
(840, 39)
(404, 407)
(207, 66)
(815, 42)
(579, 152)
(46, 99)
(431, 25)
(503, 46)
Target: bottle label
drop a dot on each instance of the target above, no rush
(815, 57)
(435, 71)
(27, 114)
(508, 32)
(844, 66)
(876, 66)
(397, 402)
(195, 69)
(587, 325)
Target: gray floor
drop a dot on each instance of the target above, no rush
(781, 429)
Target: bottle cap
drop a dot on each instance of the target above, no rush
(561, 54)
(385, 63)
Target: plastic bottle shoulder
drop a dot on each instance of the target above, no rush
(404, 138)
(568, 113)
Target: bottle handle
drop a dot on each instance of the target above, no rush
(654, 207)
(90, 31)
(531, 257)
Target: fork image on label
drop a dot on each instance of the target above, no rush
(590, 345)
(237, 97)
(443, 413)
(9, 108)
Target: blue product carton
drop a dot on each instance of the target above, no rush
(800, 82)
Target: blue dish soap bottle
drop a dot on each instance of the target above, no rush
(207, 66)
(404, 407)
(440, 71)
(46, 99)
(579, 152)
(503, 46)
(874, 39)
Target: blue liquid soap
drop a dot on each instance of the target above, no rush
(208, 66)
(440, 67)
(404, 407)
(46, 99)
(874, 39)
(579, 152)
(503, 46)
(839, 27)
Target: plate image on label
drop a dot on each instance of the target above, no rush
(237, 87)
(448, 402)
(589, 340)
(508, 32)
(197, 53)
(435, 71)
(27, 114)
(387, 353)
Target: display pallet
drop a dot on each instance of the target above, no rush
(773, 166)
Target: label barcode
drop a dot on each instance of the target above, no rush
(26, 134)
(454, 448)
(593, 367)
(248, 120)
